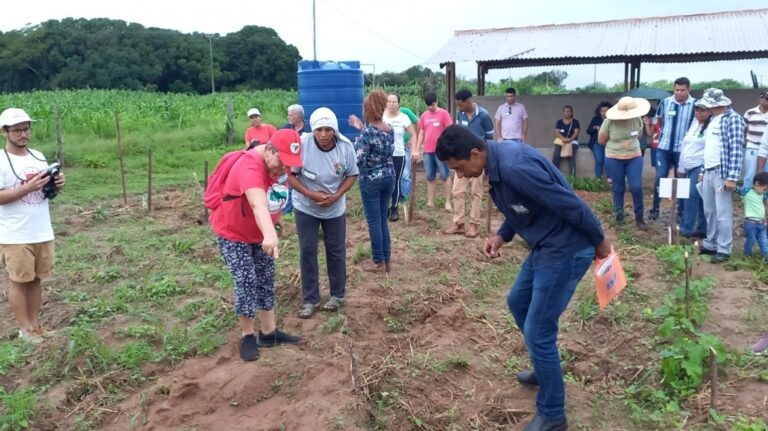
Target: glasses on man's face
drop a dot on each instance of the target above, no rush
(19, 132)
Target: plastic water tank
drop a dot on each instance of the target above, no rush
(338, 85)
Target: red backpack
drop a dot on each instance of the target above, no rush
(214, 192)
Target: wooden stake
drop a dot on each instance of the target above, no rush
(412, 197)
(205, 185)
(121, 155)
(149, 181)
(230, 123)
(713, 378)
(687, 286)
(490, 205)
(673, 223)
(59, 140)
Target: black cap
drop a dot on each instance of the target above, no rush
(764, 94)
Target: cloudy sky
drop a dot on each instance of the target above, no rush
(396, 34)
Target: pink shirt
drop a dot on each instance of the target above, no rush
(433, 124)
(511, 117)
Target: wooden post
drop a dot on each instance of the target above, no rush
(121, 155)
(205, 186)
(412, 197)
(490, 205)
(59, 140)
(149, 181)
(713, 378)
(673, 224)
(687, 286)
(230, 123)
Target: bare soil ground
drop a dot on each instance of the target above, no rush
(431, 346)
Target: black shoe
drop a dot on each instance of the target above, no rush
(249, 348)
(540, 423)
(528, 377)
(277, 337)
(720, 258)
(699, 235)
(620, 218)
(653, 215)
(640, 223)
(707, 252)
(394, 215)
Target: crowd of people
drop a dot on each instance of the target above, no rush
(307, 168)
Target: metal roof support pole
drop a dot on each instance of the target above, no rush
(450, 87)
(637, 73)
(626, 76)
(632, 76)
(481, 72)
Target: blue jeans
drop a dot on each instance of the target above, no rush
(750, 166)
(632, 170)
(599, 152)
(665, 160)
(693, 220)
(432, 165)
(405, 181)
(653, 157)
(376, 195)
(536, 301)
(755, 232)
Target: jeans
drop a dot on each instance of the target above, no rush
(754, 231)
(432, 165)
(571, 160)
(750, 166)
(693, 215)
(334, 238)
(397, 194)
(598, 151)
(654, 157)
(718, 209)
(665, 160)
(376, 195)
(536, 301)
(405, 182)
(632, 170)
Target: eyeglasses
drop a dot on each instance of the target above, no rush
(19, 132)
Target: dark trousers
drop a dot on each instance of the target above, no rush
(334, 237)
(376, 195)
(556, 158)
(665, 160)
(397, 193)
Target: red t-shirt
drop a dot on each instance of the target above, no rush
(433, 124)
(262, 134)
(234, 219)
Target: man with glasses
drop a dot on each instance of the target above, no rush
(26, 233)
(511, 119)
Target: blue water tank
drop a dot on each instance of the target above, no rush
(338, 85)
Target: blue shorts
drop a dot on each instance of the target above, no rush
(432, 165)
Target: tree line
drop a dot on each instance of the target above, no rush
(111, 54)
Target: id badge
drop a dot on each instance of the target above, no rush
(464, 122)
(519, 209)
(672, 113)
(309, 174)
(634, 133)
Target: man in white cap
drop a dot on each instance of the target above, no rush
(26, 233)
(723, 157)
(329, 171)
(259, 132)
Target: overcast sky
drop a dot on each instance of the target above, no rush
(396, 34)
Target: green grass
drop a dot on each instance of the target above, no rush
(13, 354)
(16, 408)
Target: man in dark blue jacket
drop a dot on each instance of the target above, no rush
(564, 236)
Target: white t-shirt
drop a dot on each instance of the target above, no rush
(28, 220)
(713, 143)
(399, 123)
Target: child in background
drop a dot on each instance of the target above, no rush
(754, 215)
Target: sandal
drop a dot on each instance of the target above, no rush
(333, 304)
(307, 311)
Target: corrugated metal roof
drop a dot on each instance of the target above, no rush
(722, 32)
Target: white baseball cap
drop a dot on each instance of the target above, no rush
(13, 116)
(253, 111)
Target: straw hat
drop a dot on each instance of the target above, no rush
(628, 107)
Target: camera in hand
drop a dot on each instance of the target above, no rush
(49, 189)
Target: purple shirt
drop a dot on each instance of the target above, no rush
(511, 117)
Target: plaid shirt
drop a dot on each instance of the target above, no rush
(732, 128)
(672, 112)
(374, 150)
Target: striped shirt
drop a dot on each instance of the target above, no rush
(677, 119)
(756, 125)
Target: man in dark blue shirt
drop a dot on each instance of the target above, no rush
(564, 236)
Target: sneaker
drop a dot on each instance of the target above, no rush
(761, 347)
(375, 267)
(455, 228)
(249, 348)
(394, 215)
(707, 252)
(653, 215)
(307, 311)
(528, 377)
(699, 235)
(472, 231)
(277, 337)
(30, 337)
(387, 266)
(540, 423)
(334, 304)
(620, 218)
(720, 258)
(641, 225)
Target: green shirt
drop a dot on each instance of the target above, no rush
(414, 120)
(753, 205)
(623, 137)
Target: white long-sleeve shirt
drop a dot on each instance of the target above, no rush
(692, 149)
